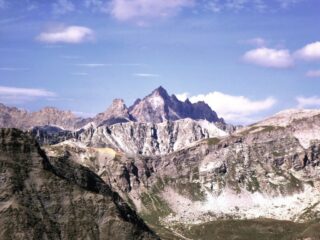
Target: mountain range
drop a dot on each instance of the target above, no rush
(160, 168)
(157, 107)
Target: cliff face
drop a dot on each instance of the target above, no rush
(149, 138)
(42, 198)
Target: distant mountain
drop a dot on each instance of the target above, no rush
(12, 117)
(157, 107)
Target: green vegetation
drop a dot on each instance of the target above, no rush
(155, 206)
(213, 141)
(277, 154)
(192, 190)
(262, 229)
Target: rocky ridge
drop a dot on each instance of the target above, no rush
(12, 117)
(54, 198)
(149, 138)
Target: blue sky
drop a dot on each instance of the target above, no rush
(246, 58)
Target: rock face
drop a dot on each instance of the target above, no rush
(149, 138)
(159, 107)
(48, 135)
(261, 171)
(54, 198)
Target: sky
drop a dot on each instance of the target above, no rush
(247, 59)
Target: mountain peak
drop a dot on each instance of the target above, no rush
(159, 106)
(160, 91)
(117, 103)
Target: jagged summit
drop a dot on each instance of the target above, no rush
(159, 106)
(160, 91)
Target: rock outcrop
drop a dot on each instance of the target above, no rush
(149, 138)
(55, 198)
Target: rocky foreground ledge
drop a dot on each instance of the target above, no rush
(45, 199)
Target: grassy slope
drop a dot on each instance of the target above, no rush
(262, 229)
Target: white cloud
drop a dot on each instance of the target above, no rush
(62, 7)
(140, 10)
(304, 102)
(69, 34)
(268, 57)
(182, 96)
(237, 109)
(31, 92)
(309, 52)
(313, 73)
(17, 95)
(146, 75)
